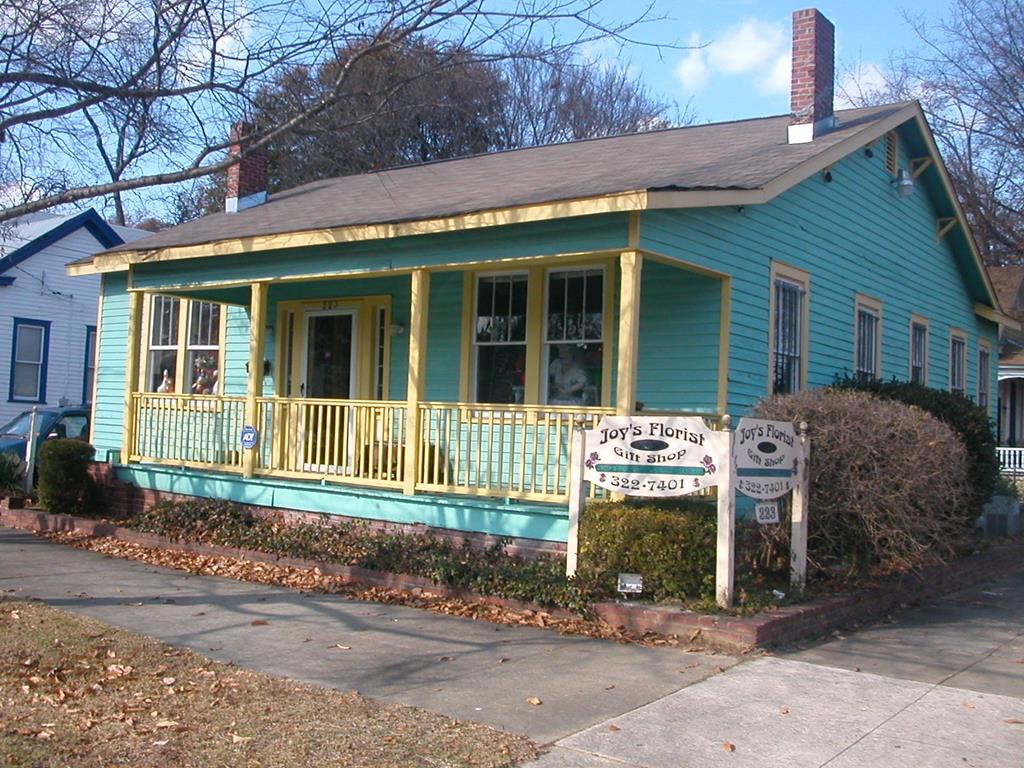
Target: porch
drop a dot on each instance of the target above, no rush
(460, 380)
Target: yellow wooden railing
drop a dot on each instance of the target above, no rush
(504, 451)
(359, 441)
(187, 430)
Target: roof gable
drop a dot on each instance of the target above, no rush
(90, 220)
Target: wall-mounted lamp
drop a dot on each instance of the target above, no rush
(869, 152)
(397, 329)
(827, 175)
(741, 209)
(904, 183)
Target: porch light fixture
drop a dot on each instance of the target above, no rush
(397, 329)
(904, 183)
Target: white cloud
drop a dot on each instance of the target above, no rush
(754, 48)
(692, 70)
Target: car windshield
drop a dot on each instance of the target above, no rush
(19, 426)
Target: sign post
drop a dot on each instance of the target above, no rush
(798, 523)
(725, 548)
(576, 458)
(30, 449)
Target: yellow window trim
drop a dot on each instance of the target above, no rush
(184, 314)
(871, 304)
(536, 295)
(782, 271)
(921, 320)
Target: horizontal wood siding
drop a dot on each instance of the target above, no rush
(108, 403)
(679, 319)
(580, 234)
(852, 235)
(236, 351)
(444, 337)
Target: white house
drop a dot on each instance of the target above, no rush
(47, 319)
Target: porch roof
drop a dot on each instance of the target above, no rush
(732, 156)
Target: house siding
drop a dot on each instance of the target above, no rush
(108, 401)
(43, 292)
(852, 235)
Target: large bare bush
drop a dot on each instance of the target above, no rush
(887, 483)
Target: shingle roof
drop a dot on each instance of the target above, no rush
(1006, 281)
(741, 155)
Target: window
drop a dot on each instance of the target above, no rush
(29, 352)
(574, 337)
(197, 322)
(957, 362)
(918, 350)
(788, 329)
(984, 374)
(868, 337)
(89, 374)
(499, 338)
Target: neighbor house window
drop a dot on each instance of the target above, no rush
(89, 374)
(918, 350)
(868, 338)
(788, 334)
(499, 338)
(574, 337)
(957, 363)
(29, 352)
(984, 374)
(190, 368)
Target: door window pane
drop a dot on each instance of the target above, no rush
(329, 356)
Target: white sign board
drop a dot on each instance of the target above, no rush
(767, 512)
(766, 456)
(654, 455)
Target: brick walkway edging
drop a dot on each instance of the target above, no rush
(780, 626)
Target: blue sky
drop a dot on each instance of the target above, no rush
(744, 70)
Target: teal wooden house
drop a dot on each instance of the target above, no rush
(414, 345)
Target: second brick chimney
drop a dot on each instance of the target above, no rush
(247, 179)
(813, 85)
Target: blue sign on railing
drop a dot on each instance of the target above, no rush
(248, 437)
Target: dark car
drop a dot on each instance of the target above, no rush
(50, 422)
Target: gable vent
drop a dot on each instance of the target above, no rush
(892, 154)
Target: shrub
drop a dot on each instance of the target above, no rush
(888, 482)
(490, 571)
(10, 473)
(64, 485)
(671, 543)
(967, 420)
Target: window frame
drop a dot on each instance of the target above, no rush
(984, 348)
(921, 321)
(43, 363)
(183, 346)
(868, 305)
(780, 271)
(955, 334)
(89, 365)
(543, 395)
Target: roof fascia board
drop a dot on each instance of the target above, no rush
(787, 180)
(89, 219)
(612, 203)
(983, 310)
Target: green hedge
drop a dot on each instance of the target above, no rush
(671, 543)
(970, 422)
(64, 484)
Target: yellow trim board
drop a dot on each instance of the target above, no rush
(987, 312)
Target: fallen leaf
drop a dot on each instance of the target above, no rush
(258, 623)
(718, 670)
(236, 739)
(502, 661)
(1014, 721)
(609, 687)
(341, 647)
(784, 711)
(166, 724)
(445, 658)
(728, 746)
(44, 735)
(968, 705)
(534, 700)
(161, 743)
(168, 681)
(614, 728)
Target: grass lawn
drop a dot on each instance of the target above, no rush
(77, 692)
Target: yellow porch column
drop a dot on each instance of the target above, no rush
(254, 387)
(133, 353)
(630, 263)
(419, 300)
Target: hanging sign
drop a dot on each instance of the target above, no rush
(766, 456)
(248, 437)
(653, 455)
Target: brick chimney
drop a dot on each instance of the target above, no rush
(813, 84)
(247, 180)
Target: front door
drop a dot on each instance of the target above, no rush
(328, 373)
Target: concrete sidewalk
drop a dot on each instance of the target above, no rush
(941, 686)
(467, 669)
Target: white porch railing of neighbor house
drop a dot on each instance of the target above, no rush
(1011, 460)
(506, 451)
